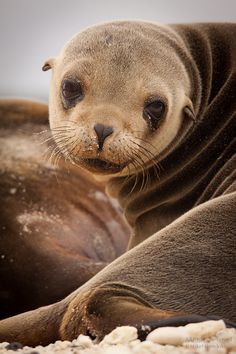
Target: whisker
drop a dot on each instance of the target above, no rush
(151, 153)
(42, 132)
(133, 162)
(138, 157)
(153, 157)
(146, 142)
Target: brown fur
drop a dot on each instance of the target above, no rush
(54, 220)
(183, 215)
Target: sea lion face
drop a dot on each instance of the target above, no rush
(117, 97)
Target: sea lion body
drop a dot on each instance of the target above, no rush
(174, 176)
(54, 220)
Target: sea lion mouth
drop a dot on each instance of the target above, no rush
(98, 165)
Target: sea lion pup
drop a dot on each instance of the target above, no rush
(54, 220)
(151, 109)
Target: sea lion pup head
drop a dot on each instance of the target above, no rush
(118, 96)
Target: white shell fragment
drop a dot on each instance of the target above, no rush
(168, 335)
(205, 329)
(179, 335)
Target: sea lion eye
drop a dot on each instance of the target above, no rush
(153, 112)
(71, 90)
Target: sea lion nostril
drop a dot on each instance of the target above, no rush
(102, 132)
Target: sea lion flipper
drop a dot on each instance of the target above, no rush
(98, 312)
(35, 327)
(105, 309)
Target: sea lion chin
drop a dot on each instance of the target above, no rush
(102, 166)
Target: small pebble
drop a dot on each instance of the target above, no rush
(121, 335)
(14, 346)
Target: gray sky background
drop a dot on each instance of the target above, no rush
(33, 30)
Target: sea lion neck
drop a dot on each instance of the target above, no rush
(153, 202)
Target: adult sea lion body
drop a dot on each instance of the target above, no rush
(54, 220)
(151, 109)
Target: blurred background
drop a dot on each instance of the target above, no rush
(33, 30)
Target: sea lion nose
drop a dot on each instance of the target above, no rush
(102, 132)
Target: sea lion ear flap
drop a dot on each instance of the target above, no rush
(189, 110)
(48, 64)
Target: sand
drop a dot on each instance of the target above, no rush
(205, 337)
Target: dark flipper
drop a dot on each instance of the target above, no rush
(178, 321)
